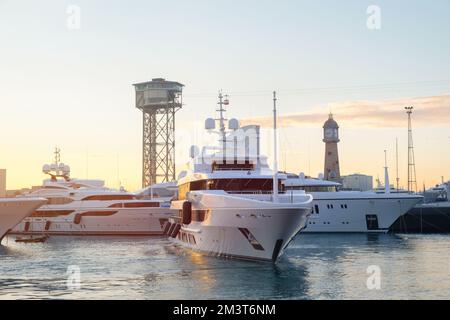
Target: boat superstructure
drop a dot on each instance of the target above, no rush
(226, 205)
(350, 211)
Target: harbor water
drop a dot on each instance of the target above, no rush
(315, 266)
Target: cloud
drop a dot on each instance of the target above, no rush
(428, 111)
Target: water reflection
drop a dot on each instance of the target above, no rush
(315, 266)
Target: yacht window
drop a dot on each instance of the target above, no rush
(141, 204)
(59, 200)
(135, 205)
(312, 188)
(51, 213)
(54, 187)
(244, 185)
(230, 185)
(199, 215)
(236, 165)
(316, 207)
(106, 197)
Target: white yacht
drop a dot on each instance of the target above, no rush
(13, 210)
(350, 211)
(228, 204)
(87, 207)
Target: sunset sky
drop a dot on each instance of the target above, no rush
(72, 87)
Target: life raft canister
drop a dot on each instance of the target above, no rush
(186, 215)
(176, 230)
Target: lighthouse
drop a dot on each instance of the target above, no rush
(331, 139)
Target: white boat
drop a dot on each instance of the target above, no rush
(228, 205)
(350, 211)
(86, 207)
(14, 210)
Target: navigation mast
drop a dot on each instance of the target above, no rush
(412, 184)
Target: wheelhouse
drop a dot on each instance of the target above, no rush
(231, 185)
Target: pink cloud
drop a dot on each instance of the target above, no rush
(428, 111)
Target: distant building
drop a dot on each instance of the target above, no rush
(360, 182)
(2, 183)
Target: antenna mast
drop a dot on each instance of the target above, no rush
(57, 154)
(412, 184)
(223, 101)
(275, 158)
(396, 162)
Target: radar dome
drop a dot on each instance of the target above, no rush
(66, 169)
(46, 168)
(233, 124)
(210, 124)
(302, 175)
(321, 176)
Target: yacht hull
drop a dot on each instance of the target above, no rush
(244, 229)
(96, 222)
(13, 211)
(357, 214)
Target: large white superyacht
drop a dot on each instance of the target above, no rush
(229, 205)
(87, 207)
(350, 211)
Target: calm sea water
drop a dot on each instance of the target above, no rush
(314, 267)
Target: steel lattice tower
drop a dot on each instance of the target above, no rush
(412, 183)
(158, 100)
